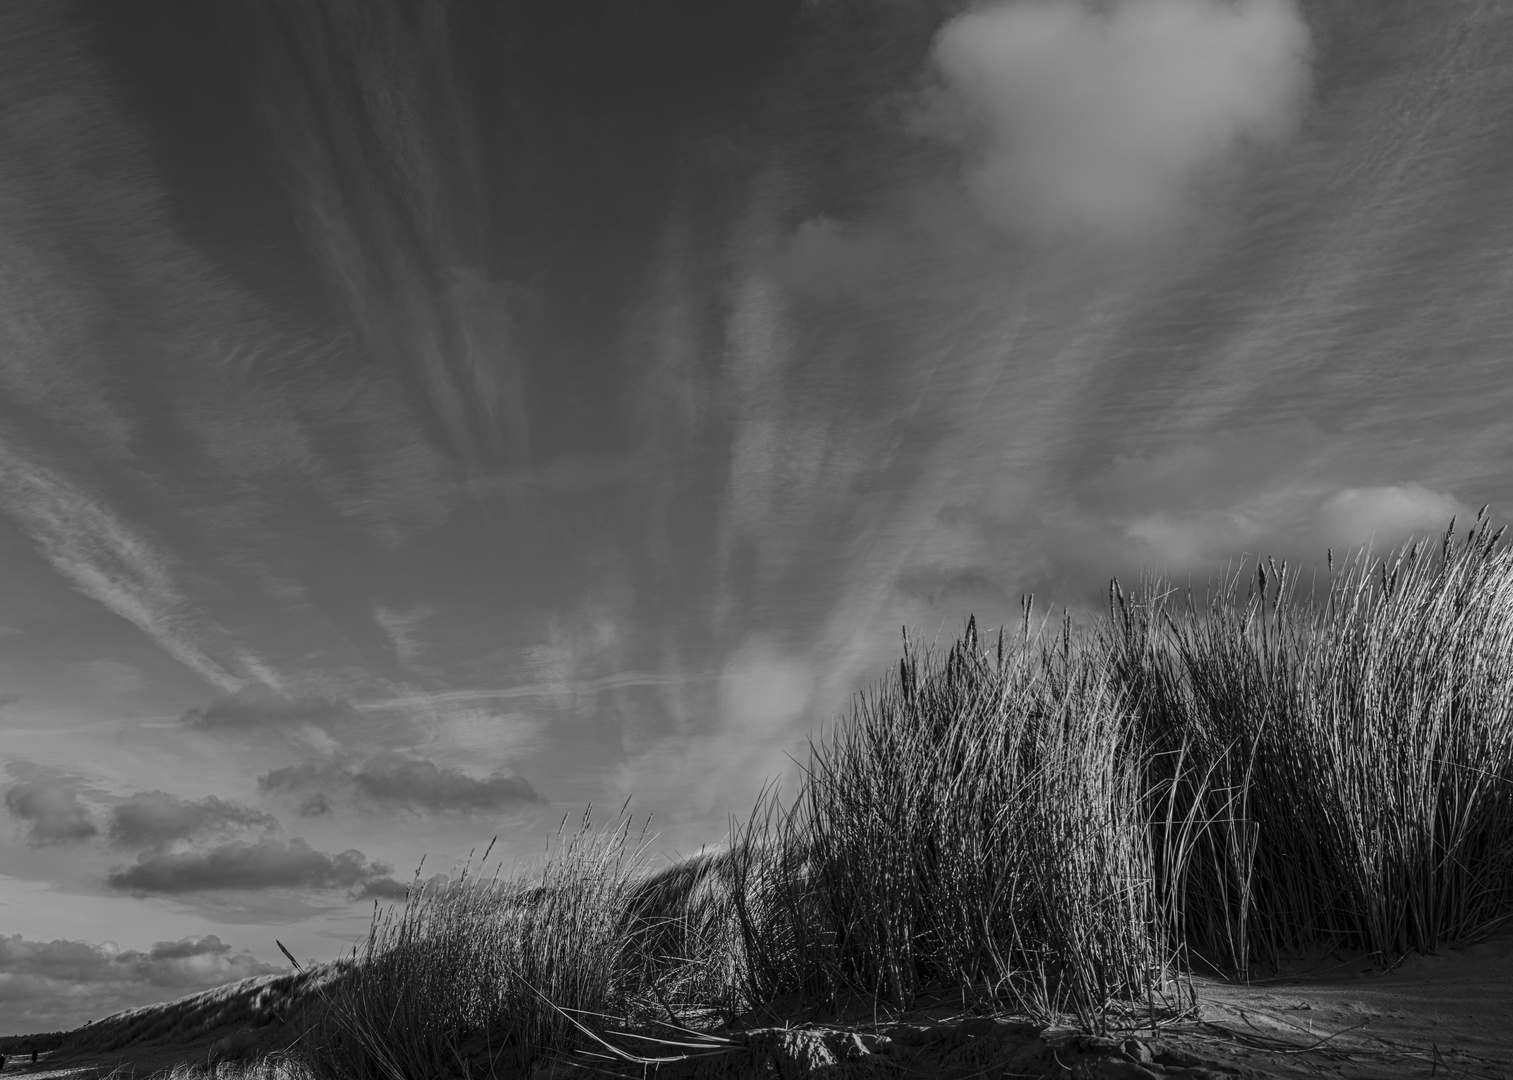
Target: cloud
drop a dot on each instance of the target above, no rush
(765, 699)
(53, 810)
(57, 985)
(402, 628)
(830, 260)
(112, 677)
(1388, 515)
(256, 707)
(569, 475)
(406, 782)
(266, 864)
(153, 818)
(392, 215)
(389, 888)
(383, 889)
(1078, 118)
(1189, 541)
(106, 559)
(317, 805)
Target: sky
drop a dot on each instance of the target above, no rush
(423, 419)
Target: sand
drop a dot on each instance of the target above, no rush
(1432, 1016)
(1444, 1016)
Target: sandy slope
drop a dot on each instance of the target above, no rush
(1449, 1015)
(1444, 1015)
(126, 1063)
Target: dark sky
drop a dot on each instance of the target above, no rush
(421, 419)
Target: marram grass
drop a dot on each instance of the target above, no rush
(1350, 753)
(1062, 824)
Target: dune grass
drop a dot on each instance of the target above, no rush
(976, 824)
(1061, 823)
(1350, 754)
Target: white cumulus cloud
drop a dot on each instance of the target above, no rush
(1388, 515)
(1078, 118)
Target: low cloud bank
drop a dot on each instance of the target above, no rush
(58, 985)
(401, 782)
(266, 864)
(52, 811)
(153, 818)
(1388, 515)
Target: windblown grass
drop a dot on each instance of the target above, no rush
(1350, 754)
(487, 973)
(1059, 823)
(978, 823)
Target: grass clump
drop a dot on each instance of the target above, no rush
(1350, 754)
(471, 974)
(977, 824)
(1060, 823)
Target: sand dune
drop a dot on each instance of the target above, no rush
(1448, 1015)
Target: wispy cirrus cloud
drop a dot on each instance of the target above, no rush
(255, 707)
(403, 628)
(107, 560)
(394, 219)
(160, 421)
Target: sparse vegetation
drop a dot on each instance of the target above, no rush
(1061, 823)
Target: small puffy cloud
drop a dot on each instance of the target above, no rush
(52, 810)
(152, 818)
(1075, 116)
(1387, 515)
(1189, 541)
(404, 782)
(58, 985)
(383, 889)
(265, 864)
(256, 707)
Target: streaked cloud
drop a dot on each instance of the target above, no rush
(393, 218)
(402, 627)
(107, 560)
(255, 707)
